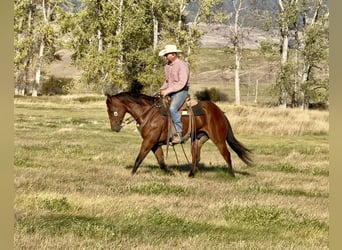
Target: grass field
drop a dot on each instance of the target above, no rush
(74, 188)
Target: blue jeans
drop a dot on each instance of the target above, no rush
(177, 100)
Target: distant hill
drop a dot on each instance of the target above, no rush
(271, 6)
(64, 68)
(216, 36)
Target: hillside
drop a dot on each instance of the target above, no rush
(214, 36)
(218, 36)
(64, 68)
(211, 66)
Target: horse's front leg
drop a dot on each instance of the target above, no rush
(146, 146)
(196, 153)
(195, 158)
(158, 152)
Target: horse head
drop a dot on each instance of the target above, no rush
(116, 112)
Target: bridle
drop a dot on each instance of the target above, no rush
(132, 118)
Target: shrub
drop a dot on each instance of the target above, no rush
(212, 94)
(56, 86)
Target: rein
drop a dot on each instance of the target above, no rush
(143, 123)
(146, 119)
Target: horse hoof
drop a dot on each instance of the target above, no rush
(191, 175)
(167, 171)
(232, 174)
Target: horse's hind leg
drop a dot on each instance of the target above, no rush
(222, 146)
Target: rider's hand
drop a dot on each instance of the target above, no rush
(163, 93)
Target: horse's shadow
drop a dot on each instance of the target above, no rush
(202, 168)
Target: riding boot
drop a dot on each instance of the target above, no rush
(177, 138)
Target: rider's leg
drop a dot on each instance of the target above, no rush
(178, 99)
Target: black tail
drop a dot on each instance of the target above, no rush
(239, 149)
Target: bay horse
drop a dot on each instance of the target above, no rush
(153, 126)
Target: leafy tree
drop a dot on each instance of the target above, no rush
(36, 40)
(23, 42)
(313, 72)
(305, 22)
(286, 19)
(116, 42)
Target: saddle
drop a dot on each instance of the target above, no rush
(189, 108)
(195, 106)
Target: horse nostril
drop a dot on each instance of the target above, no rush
(116, 128)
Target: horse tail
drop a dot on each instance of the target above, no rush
(238, 147)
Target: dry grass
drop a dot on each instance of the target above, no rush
(276, 121)
(74, 189)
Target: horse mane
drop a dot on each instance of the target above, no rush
(136, 97)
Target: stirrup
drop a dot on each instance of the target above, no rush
(177, 139)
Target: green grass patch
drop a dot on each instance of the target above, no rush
(218, 173)
(156, 226)
(22, 161)
(272, 218)
(54, 204)
(286, 191)
(289, 168)
(320, 172)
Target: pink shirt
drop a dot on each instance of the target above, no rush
(176, 76)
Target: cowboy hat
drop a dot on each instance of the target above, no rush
(169, 48)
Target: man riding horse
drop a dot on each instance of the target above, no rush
(176, 85)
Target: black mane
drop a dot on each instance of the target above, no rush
(137, 97)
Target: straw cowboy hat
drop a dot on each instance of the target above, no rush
(170, 48)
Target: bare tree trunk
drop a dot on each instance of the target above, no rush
(256, 91)
(285, 45)
(284, 52)
(155, 33)
(237, 78)
(38, 70)
(237, 49)
(100, 39)
(118, 33)
(182, 7)
(47, 11)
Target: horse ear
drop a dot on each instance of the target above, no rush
(108, 100)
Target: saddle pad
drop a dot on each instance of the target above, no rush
(196, 109)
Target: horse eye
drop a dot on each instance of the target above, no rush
(115, 113)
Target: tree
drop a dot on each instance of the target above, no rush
(298, 82)
(116, 42)
(36, 40)
(287, 17)
(313, 72)
(236, 36)
(207, 11)
(237, 45)
(23, 43)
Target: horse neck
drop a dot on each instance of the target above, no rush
(138, 111)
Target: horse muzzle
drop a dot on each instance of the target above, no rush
(116, 128)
